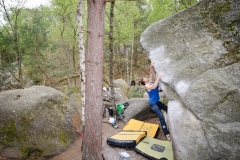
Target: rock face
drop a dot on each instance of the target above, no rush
(35, 120)
(197, 51)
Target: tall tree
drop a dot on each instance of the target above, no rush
(11, 13)
(126, 30)
(111, 52)
(65, 34)
(33, 42)
(92, 141)
(139, 26)
(82, 56)
(127, 64)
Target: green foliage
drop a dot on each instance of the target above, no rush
(74, 89)
(129, 22)
(34, 42)
(6, 51)
(126, 21)
(160, 9)
(46, 37)
(69, 91)
(135, 92)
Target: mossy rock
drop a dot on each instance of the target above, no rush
(36, 120)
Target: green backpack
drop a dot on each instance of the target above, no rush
(120, 108)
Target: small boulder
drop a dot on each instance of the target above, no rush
(138, 109)
(118, 95)
(120, 83)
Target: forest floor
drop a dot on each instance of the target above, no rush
(109, 152)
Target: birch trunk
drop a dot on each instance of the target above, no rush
(81, 56)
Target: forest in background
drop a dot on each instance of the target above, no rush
(39, 46)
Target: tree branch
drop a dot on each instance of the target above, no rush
(64, 79)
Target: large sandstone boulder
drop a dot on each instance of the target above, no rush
(197, 51)
(35, 120)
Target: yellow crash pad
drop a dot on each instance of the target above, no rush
(126, 138)
(155, 148)
(136, 125)
(136, 136)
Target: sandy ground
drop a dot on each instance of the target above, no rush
(109, 152)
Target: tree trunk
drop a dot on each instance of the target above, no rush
(35, 53)
(0, 59)
(19, 62)
(131, 60)
(64, 79)
(92, 141)
(74, 57)
(74, 65)
(118, 61)
(111, 53)
(82, 56)
(127, 67)
(135, 54)
(69, 70)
